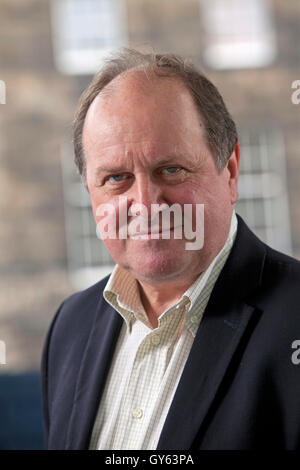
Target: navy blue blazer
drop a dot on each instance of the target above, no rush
(240, 388)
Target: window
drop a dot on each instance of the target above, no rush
(263, 199)
(239, 33)
(84, 31)
(88, 259)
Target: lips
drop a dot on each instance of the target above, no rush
(150, 233)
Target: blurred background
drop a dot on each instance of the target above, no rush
(49, 51)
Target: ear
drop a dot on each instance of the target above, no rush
(233, 172)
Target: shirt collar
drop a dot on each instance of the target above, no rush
(122, 291)
(194, 290)
(199, 292)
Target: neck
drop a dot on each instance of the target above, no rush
(158, 298)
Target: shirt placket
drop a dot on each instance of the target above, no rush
(146, 376)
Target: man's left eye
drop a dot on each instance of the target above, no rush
(172, 169)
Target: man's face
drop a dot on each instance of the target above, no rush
(146, 142)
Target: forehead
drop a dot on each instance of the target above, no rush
(142, 82)
(137, 94)
(135, 110)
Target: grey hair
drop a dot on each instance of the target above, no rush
(220, 128)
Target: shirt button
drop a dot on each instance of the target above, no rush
(155, 340)
(194, 319)
(137, 413)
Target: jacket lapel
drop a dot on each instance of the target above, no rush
(229, 315)
(92, 375)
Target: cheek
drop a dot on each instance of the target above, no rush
(185, 194)
(95, 201)
(114, 246)
(98, 203)
(194, 194)
(216, 198)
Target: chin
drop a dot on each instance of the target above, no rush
(155, 268)
(154, 261)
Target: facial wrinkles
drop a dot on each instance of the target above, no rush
(133, 147)
(130, 112)
(141, 163)
(137, 141)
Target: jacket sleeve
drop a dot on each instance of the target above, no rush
(44, 367)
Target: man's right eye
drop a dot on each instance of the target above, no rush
(117, 178)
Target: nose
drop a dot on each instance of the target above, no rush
(146, 191)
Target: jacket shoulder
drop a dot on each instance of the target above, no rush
(277, 257)
(82, 302)
(279, 293)
(281, 267)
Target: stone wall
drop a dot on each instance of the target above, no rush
(37, 118)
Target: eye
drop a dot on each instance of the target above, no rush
(172, 170)
(118, 178)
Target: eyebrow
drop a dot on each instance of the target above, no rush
(102, 169)
(119, 169)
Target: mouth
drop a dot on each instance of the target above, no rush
(151, 234)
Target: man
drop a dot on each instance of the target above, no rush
(179, 348)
